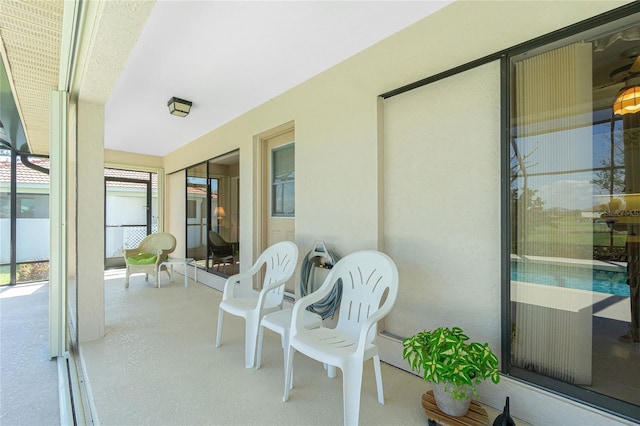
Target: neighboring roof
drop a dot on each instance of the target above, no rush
(197, 190)
(25, 175)
(129, 174)
(29, 176)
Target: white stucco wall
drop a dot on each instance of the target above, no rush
(338, 155)
(90, 231)
(442, 205)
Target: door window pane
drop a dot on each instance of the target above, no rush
(224, 232)
(213, 214)
(283, 176)
(196, 209)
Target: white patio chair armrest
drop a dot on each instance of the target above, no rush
(312, 298)
(237, 278)
(326, 287)
(261, 299)
(230, 282)
(297, 318)
(364, 331)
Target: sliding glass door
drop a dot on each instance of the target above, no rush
(131, 211)
(212, 194)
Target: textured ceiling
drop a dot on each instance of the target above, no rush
(30, 32)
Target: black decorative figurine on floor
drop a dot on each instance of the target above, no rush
(504, 419)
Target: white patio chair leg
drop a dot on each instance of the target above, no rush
(250, 337)
(284, 341)
(288, 376)
(219, 332)
(351, 387)
(378, 371)
(331, 371)
(259, 347)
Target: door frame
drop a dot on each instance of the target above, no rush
(149, 208)
(261, 180)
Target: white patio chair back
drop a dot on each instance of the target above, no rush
(363, 288)
(280, 264)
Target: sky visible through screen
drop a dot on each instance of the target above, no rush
(563, 175)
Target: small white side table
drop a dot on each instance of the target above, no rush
(174, 261)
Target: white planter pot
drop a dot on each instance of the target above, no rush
(448, 405)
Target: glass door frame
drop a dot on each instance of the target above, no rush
(148, 207)
(210, 219)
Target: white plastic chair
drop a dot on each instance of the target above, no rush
(280, 260)
(367, 278)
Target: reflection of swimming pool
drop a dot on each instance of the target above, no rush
(609, 281)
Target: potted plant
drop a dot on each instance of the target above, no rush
(452, 365)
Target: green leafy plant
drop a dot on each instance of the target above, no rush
(28, 272)
(444, 356)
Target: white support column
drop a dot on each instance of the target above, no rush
(90, 221)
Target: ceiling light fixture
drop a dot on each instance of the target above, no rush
(179, 107)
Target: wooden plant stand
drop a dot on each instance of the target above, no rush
(476, 416)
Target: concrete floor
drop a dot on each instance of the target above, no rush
(28, 377)
(158, 365)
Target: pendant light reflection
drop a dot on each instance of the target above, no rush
(628, 101)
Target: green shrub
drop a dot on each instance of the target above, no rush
(28, 272)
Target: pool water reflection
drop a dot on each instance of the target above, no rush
(612, 280)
